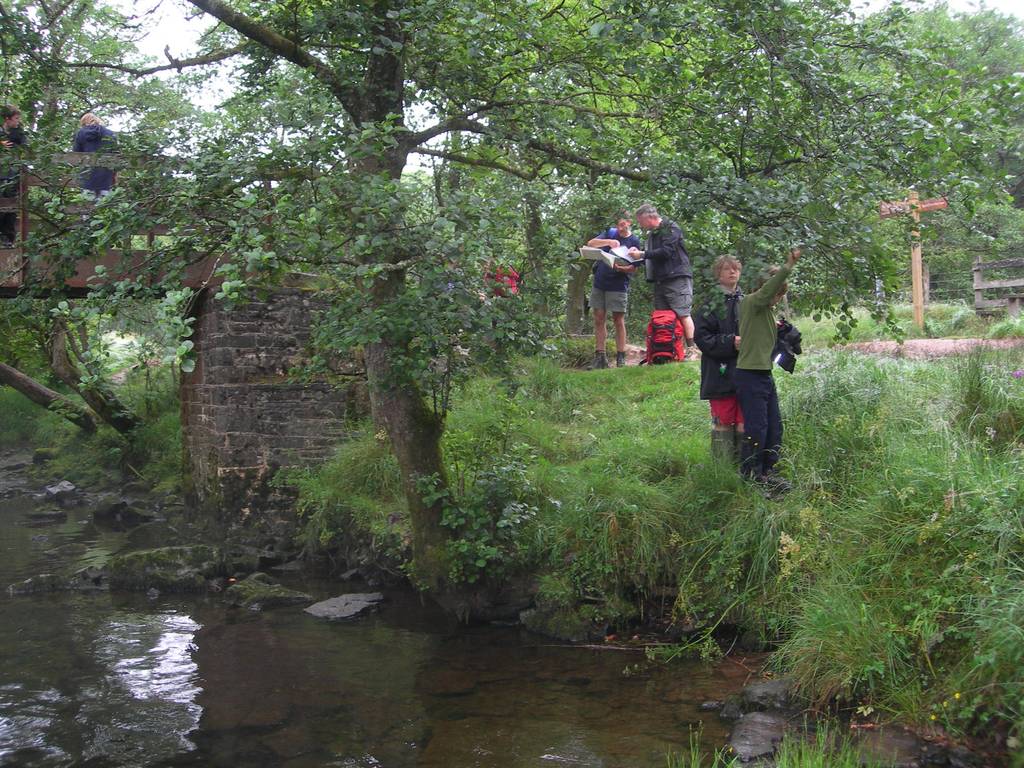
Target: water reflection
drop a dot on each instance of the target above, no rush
(284, 689)
(117, 689)
(103, 680)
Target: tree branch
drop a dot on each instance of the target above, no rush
(284, 47)
(455, 122)
(551, 150)
(496, 165)
(178, 64)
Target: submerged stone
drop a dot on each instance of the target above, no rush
(757, 735)
(345, 606)
(562, 624)
(64, 493)
(169, 569)
(84, 580)
(44, 516)
(767, 694)
(44, 582)
(259, 592)
(120, 515)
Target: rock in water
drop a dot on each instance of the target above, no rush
(170, 569)
(120, 515)
(757, 735)
(259, 592)
(64, 493)
(767, 695)
(345, 606)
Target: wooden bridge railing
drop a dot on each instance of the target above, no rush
(1012, 300)
(15, 266)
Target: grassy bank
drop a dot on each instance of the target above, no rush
(892, 576)
(105, 458)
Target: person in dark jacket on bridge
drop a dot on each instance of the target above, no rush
(93, 136)
(667, 265)
(717, 333)
(11, 137)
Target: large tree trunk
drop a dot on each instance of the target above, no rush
(99, 397)
(537, 254)
(46, 397)
(415, 435)
(576, 291)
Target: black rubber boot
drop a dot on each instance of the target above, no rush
(750, 458)
(600, 361)
(620, 359)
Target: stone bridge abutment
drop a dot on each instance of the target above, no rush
(245, 416)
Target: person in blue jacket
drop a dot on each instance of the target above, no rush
(93, 136)
(611, 291)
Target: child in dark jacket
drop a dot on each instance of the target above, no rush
(717, 335)
(755, 387)
(94, 137)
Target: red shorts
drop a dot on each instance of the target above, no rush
(725, 411)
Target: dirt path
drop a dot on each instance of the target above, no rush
(911, 349)
(928, 349)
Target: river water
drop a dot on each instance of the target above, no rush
(125, 680)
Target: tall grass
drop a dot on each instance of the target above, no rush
(890, 576)
(23, 419)
(941, 320)
(152, 453)
(824, 748)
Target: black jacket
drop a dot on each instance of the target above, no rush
(8, 167)
(96, 138)
(714, 329)
(665, 253)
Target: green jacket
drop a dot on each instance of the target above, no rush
(757, 324)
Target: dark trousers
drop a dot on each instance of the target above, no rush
(759, 402)
(8, 220)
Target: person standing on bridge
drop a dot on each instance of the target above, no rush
(93, 136)
(11, 137)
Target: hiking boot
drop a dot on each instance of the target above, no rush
(600, 361)
(620, 359)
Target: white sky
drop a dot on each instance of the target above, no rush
(171, 25)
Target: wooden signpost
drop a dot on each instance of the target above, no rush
(912, 205)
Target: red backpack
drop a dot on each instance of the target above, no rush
(664, 338)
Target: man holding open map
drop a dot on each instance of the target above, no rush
(611, 289)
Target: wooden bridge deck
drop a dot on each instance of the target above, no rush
(17, 270)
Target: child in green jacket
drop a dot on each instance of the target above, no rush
(755, 387)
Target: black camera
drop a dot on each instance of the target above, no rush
(787, 346)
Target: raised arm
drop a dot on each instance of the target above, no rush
(764, 295)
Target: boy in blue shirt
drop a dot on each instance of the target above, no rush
(611, 292)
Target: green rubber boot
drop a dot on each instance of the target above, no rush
(723, 445)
